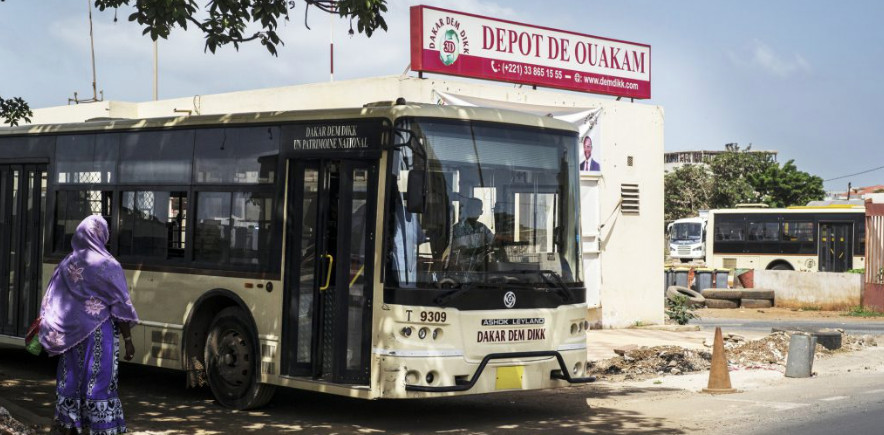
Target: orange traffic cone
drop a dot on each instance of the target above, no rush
(719, 378)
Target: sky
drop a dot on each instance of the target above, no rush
(798, 77)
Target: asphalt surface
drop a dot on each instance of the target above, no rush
(875, 327)
(848, 397)
(155, 401)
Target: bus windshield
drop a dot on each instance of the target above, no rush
(687, 231)
(501, 207)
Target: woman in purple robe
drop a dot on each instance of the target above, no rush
(85, 307)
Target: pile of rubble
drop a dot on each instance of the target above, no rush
(11, 426)
(646, 362)
(769, 352)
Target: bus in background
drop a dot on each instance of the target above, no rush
(803, 238)
(687, 238)
(388, 251)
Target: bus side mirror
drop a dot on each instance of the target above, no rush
(416, 196)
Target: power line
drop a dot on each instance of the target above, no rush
(851, 175)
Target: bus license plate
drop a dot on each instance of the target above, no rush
(510, 377)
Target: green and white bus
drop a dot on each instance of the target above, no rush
(389, 251)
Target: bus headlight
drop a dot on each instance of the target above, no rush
(437, 333)
(406, 331)
(422, 333)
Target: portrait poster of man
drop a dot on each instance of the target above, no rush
(589, 147)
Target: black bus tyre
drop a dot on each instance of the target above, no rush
(713, 293)
(757, 293)
(722, 303)
(781, 266)
(694, 298)
(232, 362)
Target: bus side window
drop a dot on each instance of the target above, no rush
(177, 224)
(763, 231)
(152, 224)
(71, 207)
(729, 231)
(797, 231)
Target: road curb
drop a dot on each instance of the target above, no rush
(671, 328)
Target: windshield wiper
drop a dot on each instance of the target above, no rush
(445, 297)
(558, 284)
(442, 299)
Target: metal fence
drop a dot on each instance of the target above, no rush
(873, 290)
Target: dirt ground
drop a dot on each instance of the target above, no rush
(768, 353)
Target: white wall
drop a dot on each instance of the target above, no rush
(623, 277)
(630, 244)
(821, 290)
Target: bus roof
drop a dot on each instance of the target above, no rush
(795, 209)
(387, 110)
(687, 220)
(827, 206)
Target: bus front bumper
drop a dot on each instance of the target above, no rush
(462, 384)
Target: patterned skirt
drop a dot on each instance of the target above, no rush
(87, 384)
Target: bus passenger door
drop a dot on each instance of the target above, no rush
(836, 248)
(22, 202)
(329, 247)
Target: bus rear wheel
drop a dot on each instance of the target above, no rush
(232, 362)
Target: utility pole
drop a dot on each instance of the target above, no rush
(331, 41)
(155, 71)
(94, 79)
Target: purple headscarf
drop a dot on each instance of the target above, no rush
(87, 288)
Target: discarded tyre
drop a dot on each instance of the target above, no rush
(756, 303)
(828, 338)
(694, 298)
(722, 303)
(710, 293)
(757, 293)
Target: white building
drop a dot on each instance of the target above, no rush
(622, 206)
(676, 159)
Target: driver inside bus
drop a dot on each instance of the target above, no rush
(470, 239)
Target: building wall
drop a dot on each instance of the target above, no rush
(621, 250)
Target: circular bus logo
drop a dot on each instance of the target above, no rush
(450, 47)
(509, 299)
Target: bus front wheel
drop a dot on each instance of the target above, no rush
(232, 362)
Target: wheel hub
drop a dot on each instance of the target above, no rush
(234, 358)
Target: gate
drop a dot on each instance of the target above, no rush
(873, 290)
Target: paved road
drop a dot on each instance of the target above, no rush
(761, 325)
(155, 401)
(833, 403)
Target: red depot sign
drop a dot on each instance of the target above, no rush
(455, 43)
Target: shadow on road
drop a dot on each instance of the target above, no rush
(156, 401)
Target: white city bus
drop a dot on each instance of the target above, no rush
(687, 239)
(392, 251)
(804, 238)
